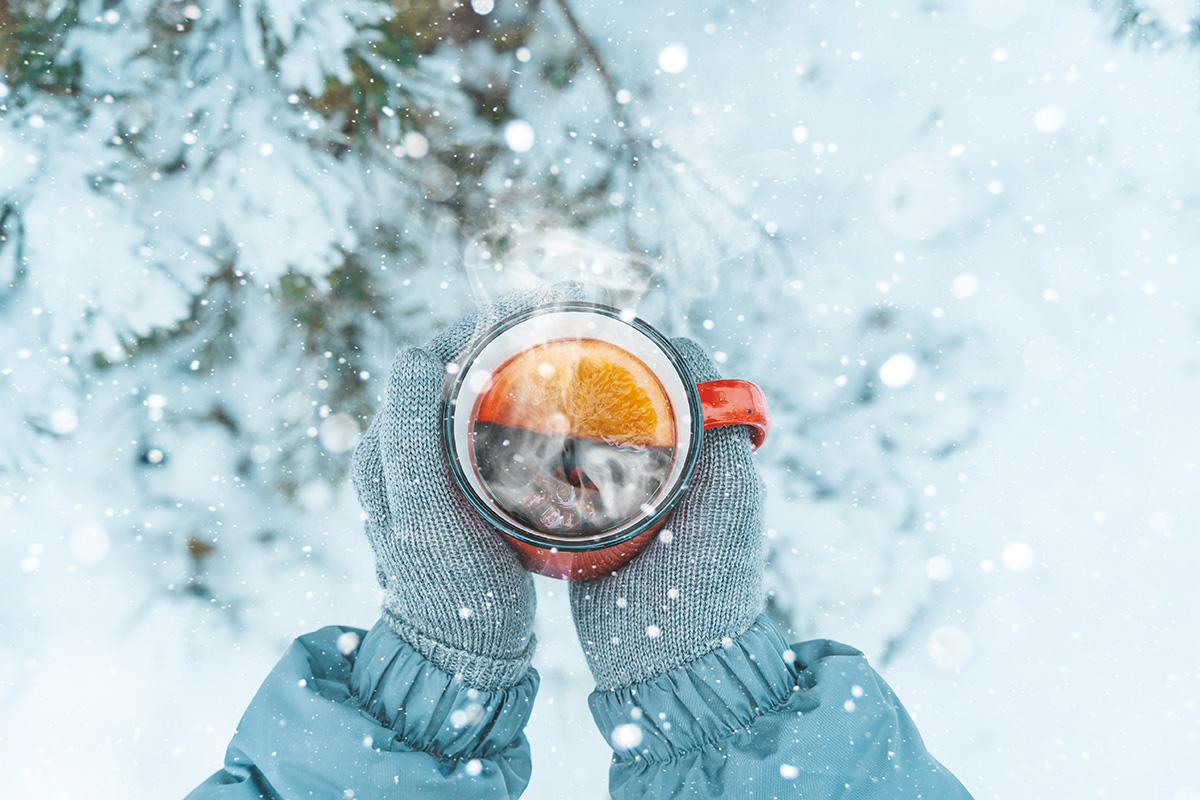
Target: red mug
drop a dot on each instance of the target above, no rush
(573, 429)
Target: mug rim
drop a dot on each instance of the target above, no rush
(572, 544)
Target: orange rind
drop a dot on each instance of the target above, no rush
(587, 389)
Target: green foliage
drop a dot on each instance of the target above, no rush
(294, 287)
(1142, 24)
(397, 48)
(297, 336)
(30, 42)
(558, 72)
(383, 70)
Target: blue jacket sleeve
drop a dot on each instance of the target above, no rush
(347, 716)
(760, 719)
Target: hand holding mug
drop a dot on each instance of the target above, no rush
(699, 583)
(574, 428)
(453, 589)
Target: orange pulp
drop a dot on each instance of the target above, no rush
(584, 388)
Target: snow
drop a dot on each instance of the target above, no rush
(673, 58)
(956, 245)
(519, 135)
(627, 736)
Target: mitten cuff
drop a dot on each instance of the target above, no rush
(474, 670)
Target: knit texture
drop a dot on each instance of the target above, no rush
(453, 589)
(699, 584)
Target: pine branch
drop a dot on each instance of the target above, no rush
(593, 55)
(1139, 23)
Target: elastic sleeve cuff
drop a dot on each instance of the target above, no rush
(431, 710)
(703, 701)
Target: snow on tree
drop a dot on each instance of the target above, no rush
(218, 221)
(1156, 24)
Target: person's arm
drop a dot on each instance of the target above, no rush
(699, 693)
(376, 722)
(760, 719)
(434, 703)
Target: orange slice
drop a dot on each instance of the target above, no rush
(582, 388)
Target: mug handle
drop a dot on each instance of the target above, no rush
(735, 402)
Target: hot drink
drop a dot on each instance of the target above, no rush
(573, 430)
(564, 484)
(573, 437)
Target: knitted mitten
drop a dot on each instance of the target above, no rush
(699, 583)
(453, 589)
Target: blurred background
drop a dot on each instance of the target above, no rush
(955, 242)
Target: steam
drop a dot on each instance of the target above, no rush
(541, 248)
(564, 485)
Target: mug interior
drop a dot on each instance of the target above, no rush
(537, 475)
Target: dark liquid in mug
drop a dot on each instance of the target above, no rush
(565, 485)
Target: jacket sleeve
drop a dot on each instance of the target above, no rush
(760, 719)
(347, 716)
